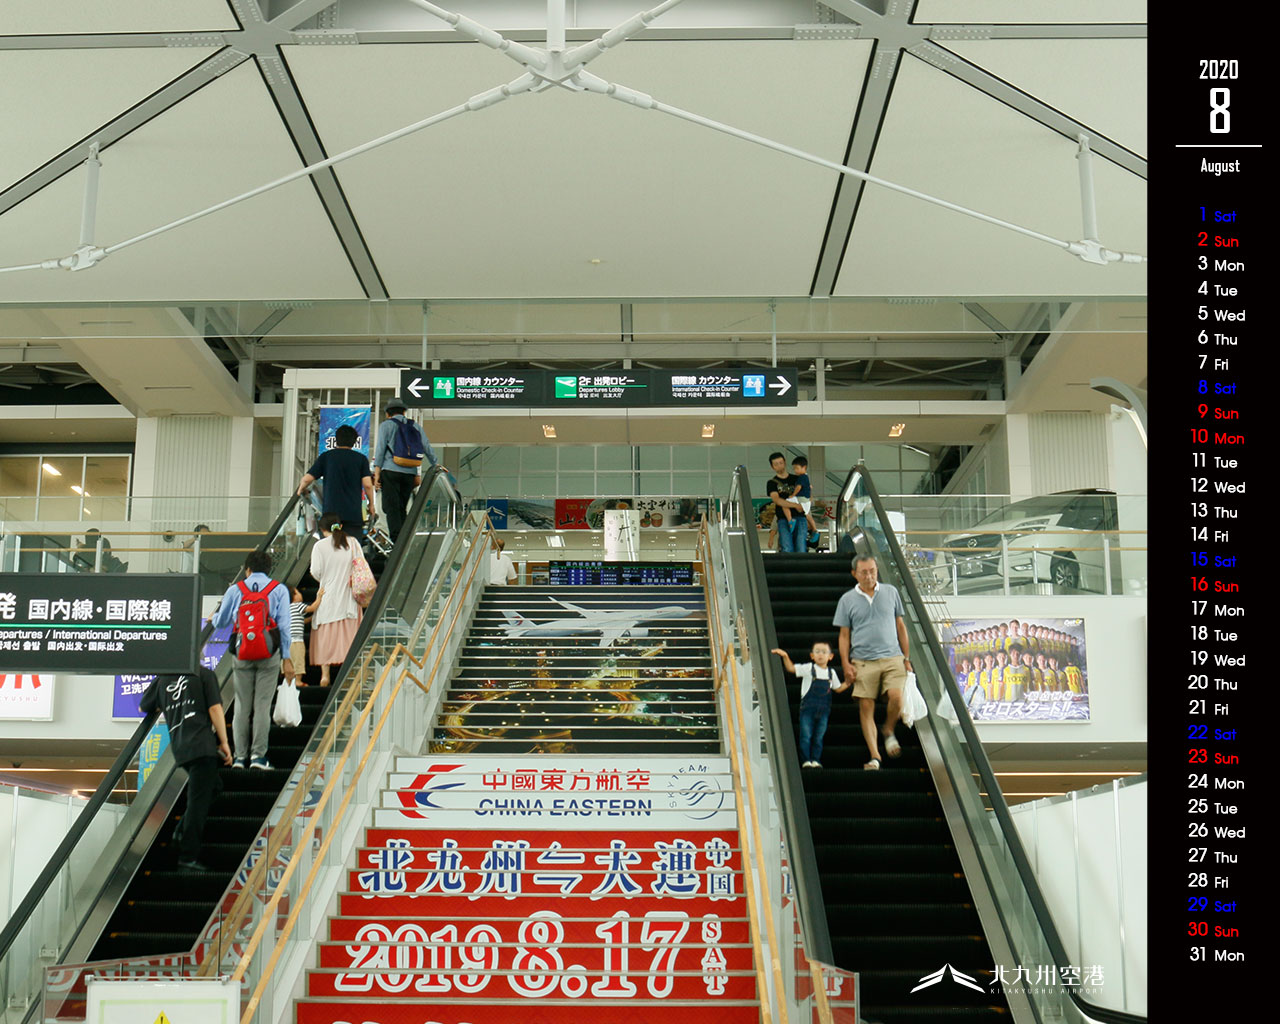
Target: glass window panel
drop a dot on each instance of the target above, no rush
(690, 456)
(537, 460)
(497, 460)
(614, 458)
(533, 485)
(880, 457)
(18, 475)
(655, 483)
(59, 474)
(694, 485)
(724, 460)
(499, 485)
(106, 476)
(59, 508)
(614, 484)
(577, 457)
(655, 456)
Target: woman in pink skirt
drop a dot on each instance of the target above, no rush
(334, 624)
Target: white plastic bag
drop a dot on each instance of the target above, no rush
(288, 708)
(913, 703)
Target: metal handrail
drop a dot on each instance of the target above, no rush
(777, 723)
(457, 597)
(40, 887)
(999, 808)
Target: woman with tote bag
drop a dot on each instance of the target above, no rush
(334, 625)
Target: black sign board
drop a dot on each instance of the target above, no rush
(98, 623)
(749, 387)
(626, 574)
(604, 389)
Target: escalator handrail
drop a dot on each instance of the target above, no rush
(106, 787)
(777, 724)
(1026, 874)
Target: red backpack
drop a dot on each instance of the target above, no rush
(255, 628)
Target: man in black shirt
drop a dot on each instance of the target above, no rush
(346, 474)
(192, 708)
(788, 512)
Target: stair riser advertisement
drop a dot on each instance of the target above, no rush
(582, 793)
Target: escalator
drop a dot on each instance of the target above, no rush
(898, 905)
(924, 882)
(133, 902)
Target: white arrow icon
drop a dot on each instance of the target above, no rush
(782, 387)
(415, 387)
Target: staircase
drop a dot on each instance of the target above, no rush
(600, 670)
(898, 906)
(568, 851)
(165, 910)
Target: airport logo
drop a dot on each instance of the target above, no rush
(941, 973)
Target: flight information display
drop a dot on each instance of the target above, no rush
(626, 574)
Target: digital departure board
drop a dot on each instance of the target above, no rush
(626, 574)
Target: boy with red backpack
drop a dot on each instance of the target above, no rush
(258, 608)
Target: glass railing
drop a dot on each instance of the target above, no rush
(789, 916)
(158, 539)
(57, 915)
(975, 807)
(1074, 543)
(410, 602)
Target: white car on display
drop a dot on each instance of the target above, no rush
(1059, 539)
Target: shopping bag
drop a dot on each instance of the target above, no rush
(913, 702)
(363, 583)
(288, 708)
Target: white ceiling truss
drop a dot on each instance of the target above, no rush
(189, 103)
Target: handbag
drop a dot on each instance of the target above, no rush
(363, 583)
(288, 710)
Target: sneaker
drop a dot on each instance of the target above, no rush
(260, 763)
(807, 764)
(240, 762)
(192, 865)
(815, 764)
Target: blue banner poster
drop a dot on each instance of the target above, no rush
(128, 692)
(156, 743)
(334, 416)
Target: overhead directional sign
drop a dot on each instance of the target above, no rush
(98, 623)
(608, 389)
(748, 387)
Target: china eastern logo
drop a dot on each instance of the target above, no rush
(416, 798)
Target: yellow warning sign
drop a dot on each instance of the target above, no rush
(162, 1019)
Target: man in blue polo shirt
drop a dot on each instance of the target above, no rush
(871, 616)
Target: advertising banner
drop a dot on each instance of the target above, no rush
(126, 696)
(26, 698)
(98, 623)
(156, 743)
(359, 417)
(579, 792)
(1020, 670)
(571, 513)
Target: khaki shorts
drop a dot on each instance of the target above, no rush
(877, 676)
(298, 655)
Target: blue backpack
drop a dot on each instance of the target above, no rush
(406, 445)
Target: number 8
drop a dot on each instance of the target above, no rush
(1219, 115)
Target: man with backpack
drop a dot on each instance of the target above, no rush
(397, 463)
(258, 608)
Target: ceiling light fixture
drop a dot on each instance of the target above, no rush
(51, 470)
(77, 489)
(555, 541)
(548, 430)
(897, 429)
(708, 430)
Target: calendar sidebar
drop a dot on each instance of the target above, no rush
(1211, 430)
